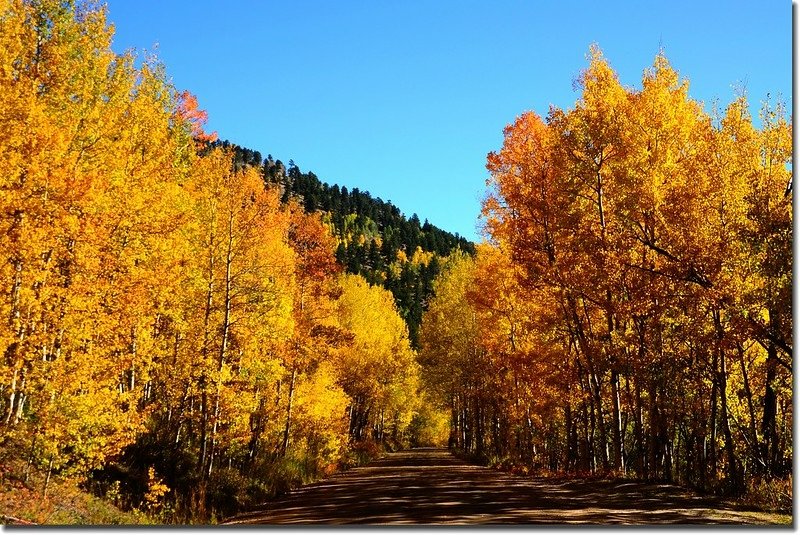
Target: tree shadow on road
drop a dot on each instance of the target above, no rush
(429, 486)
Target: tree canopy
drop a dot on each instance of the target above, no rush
(631, 309)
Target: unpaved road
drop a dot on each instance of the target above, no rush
(430, 486)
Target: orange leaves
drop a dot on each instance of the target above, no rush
(188, 110)
(624, 239)
(517, 169)
(314, 245)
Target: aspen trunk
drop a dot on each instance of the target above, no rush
(47, 479)
(601, 425)
(12, 397)
(721, 372)
(616, 422)
(204, 416)
(750, 407)
(287, 427)
(638, 432)
(570, 449)
(652, 441)
(203, 425)
(734, 479)
(15, 322)
(223, 349)
(711, 453)
(769, 444)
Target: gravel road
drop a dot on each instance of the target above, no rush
(431, 486)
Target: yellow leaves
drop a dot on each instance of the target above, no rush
(601, 88)
(378, 365)
(92, 202)
(449, 333)
(149, 286)
(322, 402)
(81, 426)
(421, 257)
(73, 185)
(430, 424)
(322, 406)
(156, 489)
(380, 348)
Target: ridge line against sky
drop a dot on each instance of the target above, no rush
(404, 100)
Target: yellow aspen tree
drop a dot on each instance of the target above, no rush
(76, 234)
(378, 368)
(313, 308)
(242, 283)
(451, 354)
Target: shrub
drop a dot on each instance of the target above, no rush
(771, 494)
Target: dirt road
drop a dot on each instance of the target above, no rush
(430, 486)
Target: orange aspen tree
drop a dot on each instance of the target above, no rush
(659, 235)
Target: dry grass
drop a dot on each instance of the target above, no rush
(23, 502)
(769, 495)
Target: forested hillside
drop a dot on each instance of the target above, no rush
(374, 239)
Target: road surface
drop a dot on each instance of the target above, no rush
(431, 486)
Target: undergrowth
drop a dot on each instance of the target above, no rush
(128, 494)
(23, 501)
(773, 495)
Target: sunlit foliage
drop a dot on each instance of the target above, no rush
(631, 311)
(173, 332)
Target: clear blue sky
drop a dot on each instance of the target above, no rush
(405, 99)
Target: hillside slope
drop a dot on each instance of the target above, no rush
(375, 239)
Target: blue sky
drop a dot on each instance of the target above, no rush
(405, 99)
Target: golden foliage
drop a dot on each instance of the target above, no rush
(153, 292)
(632, 309)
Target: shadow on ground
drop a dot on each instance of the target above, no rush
(430, 486)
